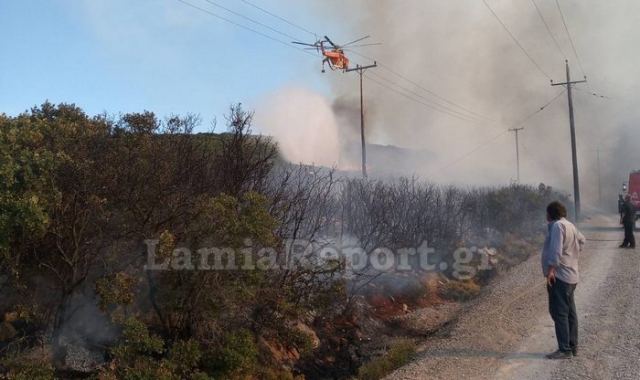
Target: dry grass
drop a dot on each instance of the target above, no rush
(460, 290)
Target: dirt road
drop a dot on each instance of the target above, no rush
(506, 332)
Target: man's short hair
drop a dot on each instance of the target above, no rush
(556, 210)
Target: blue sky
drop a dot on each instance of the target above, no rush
(159, 55)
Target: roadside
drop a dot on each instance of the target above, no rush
(506, 332)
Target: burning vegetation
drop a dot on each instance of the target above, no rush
(80, 195)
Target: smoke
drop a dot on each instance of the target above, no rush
(303, 124)
(460, 51)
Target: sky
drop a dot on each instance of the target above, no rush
(160, 55)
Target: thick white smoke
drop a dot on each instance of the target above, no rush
(303, 124)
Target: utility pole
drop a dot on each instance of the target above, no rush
(516, 130)
(361, 70)
(574, 155)
(599, 179)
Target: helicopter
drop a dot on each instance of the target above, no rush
(334, 55)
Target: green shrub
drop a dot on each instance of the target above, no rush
(137, 340)
(237, 354)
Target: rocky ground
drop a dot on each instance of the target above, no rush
(506, 332)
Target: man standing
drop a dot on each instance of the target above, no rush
(629, 223)
(562, 247)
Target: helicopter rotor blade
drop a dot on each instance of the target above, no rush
(358, 40)
(304, 43)
(364, 45)
(331, 42)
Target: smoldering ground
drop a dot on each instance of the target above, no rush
(459, 51)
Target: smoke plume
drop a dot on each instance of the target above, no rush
(303, 124)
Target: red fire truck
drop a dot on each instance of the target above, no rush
(633, 188)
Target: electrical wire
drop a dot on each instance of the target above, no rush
(482, 145)
(575, 52)
(278, 17)
(495, 137)
(250, 19)
(435, 106)
(419, 86)
(516, 40)
(247, 28)
(553, 37)
(592, 93)
(402, 93)
(573, 47)
(540, 109)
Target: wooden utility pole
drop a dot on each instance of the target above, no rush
(516, 130)
(574, 155)
(361, 70)
(599, 179)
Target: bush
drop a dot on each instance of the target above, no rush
(400, 353)
(136, 340)
(238, 354)
(116, 289)
(185, 357)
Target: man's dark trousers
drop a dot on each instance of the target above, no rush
(629, 239)
(562, 308)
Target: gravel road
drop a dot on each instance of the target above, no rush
(505, 333)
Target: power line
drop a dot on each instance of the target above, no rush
(474, 150)
(278, 17)
(250, 19)
(402, 93)
(495, 137)
(573, 47)
(575, 52)
(213, 14)
(553, 37)
(431, 104)
(540, 109)
(418, 85)
(515, 40)
(592, 93)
